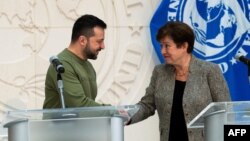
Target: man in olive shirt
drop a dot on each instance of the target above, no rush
(79, 78)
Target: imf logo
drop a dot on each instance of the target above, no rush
(222, 32)
(221, 29)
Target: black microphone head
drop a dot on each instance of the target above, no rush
(243, 59)
(237, 57)
(57, 64)
(52, 58)
(60, 69)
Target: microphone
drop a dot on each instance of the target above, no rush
(243, 59)
(57, 64)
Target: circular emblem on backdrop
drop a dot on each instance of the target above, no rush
(39, 36)
(33, 25)
(220, 19)
(219, 32)
(217, 26)
(24, 37)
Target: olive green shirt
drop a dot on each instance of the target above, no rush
(79, 81)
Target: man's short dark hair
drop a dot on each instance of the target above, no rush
(84, 26)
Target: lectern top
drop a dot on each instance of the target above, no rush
(232, 112)
(67, 113)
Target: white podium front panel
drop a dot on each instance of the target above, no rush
(92, 129)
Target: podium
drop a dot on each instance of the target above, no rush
(217, 114)
(105, 123)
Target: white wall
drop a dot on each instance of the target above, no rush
(33, 30)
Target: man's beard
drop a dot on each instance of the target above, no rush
(89, 53)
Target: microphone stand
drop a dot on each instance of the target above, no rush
(60, 87)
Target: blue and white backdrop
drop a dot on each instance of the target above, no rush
(33, 30)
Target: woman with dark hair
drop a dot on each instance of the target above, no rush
(182, 87)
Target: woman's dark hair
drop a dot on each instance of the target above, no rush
(179, 32)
